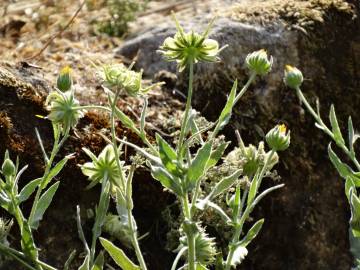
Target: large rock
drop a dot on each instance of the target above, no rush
(306, 223)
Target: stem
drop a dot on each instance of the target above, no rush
(245, 87)
(134, 240)
(178, 256)
(325, 128)
(187, 108)
(189, 235)
(114, 144)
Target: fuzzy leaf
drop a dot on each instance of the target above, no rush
(101, 210)
(27, 242)
(253, 188)
(125, 120)
(355, 213)
(85, 265)
(239, 255)
(252, 233)
(216, 155)
(167, 155)
(351, 135)
(166, 179)
(99, 262)
(198, 165)
(354, 245)
(335, 126)
(118, 255)
(55, 170)
(226, 112)
(349, 184)
(43, 204)
(343, 169)
(29, 188)
(225, 184)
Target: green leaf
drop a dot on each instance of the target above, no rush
(166, 179)
(198, 165)
(118, 256)
(70, 260)
(343, 169)
(29, 188)
(253, 188)
(85, 265)
(27, 242)
(335, 127)
(199, 266)
(351, 135)
(42, 205)
(225, 184)
(226, 112)
(355, 213)
(102, 208)
(252, 233)
(348, 185)
(55, 170)
(216, 155)
(126, 121)
(354, 245)
(167, 155)
(99, 262)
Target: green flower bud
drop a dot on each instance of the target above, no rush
(191, 47)
(63, 109)
(258, 62)
(8, 168)
(278, 139)
(102, 166)
(117, 76)
(293, 77)
(64, 80)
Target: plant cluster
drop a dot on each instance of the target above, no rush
(181, 168)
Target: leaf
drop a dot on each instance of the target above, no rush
(348, 185)
(239, 255)
(216, 155)
(118, 256)
(354, 245)
(225, 184)
(166, 179)
(355, 213)
(253, 188)
(199, 266)
(198, 164)
(351, 135)
(335, 126)
(167, 155)
(42, 205)
(99, 262)
(27, 242)
(55, 170)
(28, 189)
(226, 112)
(85, 265)
(252, 233)
(343, 169)
(126, 121)
(70, 260)
(101, 210)
(221, 212)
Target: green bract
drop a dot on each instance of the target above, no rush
(278, 138)
(64, 109)
(64, 80)
(119, 77)
(293, 77)
(101, 167)
(259, 62)
(190, 47)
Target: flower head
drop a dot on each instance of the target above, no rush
(117, 76)
(259, 62)
(278, 138)
(103, 166)
(64, 80)
(293, 77)
(191, 47)
(63, 109)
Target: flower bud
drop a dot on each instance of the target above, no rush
(63, 109)
(64, 80)
(292, 77)
(8, 168)
(191, 47)
(278, 139)
(258, 62)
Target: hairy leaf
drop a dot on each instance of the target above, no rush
(343, 169)
(252, 233)
(198, 165)
(335, 126)
(29, 188)
(166, 179)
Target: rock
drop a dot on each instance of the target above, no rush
(306, 223)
